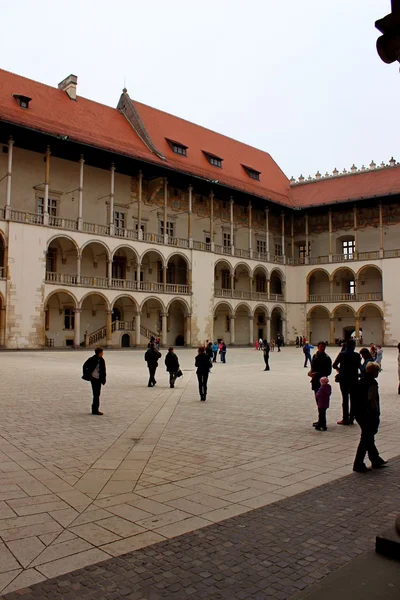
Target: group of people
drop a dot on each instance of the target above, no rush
(213, 348)
(260, 344)
(357, 373)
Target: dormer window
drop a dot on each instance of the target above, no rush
(22, 101)
(252, 173)
(177, 148)
(214, 160)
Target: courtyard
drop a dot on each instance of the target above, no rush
(76, 489)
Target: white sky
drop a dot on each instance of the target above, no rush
(300, 79)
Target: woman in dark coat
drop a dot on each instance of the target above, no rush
(203, 364)
(172, 365)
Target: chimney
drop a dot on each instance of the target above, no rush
(69, 85)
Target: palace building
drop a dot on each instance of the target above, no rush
(122, 223)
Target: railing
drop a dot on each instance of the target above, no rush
(93, 228)
(277, 259)
(261, 256)
(96, 336)
(391, 253)
(370, 296)
(243, 295)
(263, 296)
(201, 246)
(367, 255)
(176, 288)
(318, 260)
(148, 333)
(178, 242)
(2, 273)
(62, 223)
(345, 297)
(2, 213)
(153, 238)
(242, 253)
(276, 297)
(218, 249)
(26, 217)
(117, 284)
(151, 286)
(122, 326)
(124, 284)
(98, 282)
(64, 278)
(129, 234)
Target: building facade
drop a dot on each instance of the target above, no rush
(120, 224)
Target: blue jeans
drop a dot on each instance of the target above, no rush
(307, 358)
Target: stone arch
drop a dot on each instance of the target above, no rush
(316, 271)
(262, 268)
(343, 306)
(182, 301)
(95, 293)
(181, 255)
(260, 322)
(154, 251)
(59, 323)
(62, 236)
(223, 261)
(90, 242)
(318, 324)
(243, 265)
(343, 268)
(222, 314)
(279, 272)
(369, 283)
(343, 323)
(241, 306)
(222, 304)
(371, 323)
(343, 282)
(125, 247)
(242, 280)
(156, 299)
(370, 305)
(61, 291)
(95, 261)
(318, 285)
(177, 269)
(121, 297)
(277, 321)
(243, 315)
(62, 253)
(277, 283)
(177, 311)
(262, 307)
(152, 310)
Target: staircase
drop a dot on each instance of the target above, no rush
(148, 333)
(100, 335)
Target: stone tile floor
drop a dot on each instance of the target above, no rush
(76, 489)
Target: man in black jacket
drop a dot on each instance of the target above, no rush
(321, 366)
(94, 370)
(172, 365)
(151, 357)
(348, 364)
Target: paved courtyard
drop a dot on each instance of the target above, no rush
(76, 489)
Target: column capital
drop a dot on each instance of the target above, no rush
(250, 317)
(112, 166)
(190, 188)
(165, 180)
(11, 141)
(81, 160)
(211, 194)
(140, 173)
(231, 200)
(48, 151)
(164, 314)
(77, 310)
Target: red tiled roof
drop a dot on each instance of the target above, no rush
(357, 186)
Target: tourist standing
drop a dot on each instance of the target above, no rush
(372, 349)
(367, 413)
(203, 364)
(172, 366)
(347, 364)
(297, 341)
(152, 357)
(94, 370)
(323, 395)
(260, 344)
(266, 350)
(379, 355)
(257, 345)
(307, 353)
(222, 351)
(367, 358)
(209, 350)
(279, 342)
(215, 351)
(272, 345)
(321, 366)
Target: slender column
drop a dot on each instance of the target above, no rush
(250, 285)
(250, 231)
(165, 210)
(164, 276)
(307, 242)
(109, 272)
(267, 231)
(332, 331)
(46, 188)
(232, 330)
(111, 207)
(139, 214)
(164, 329)
(190, 217)
(330, 236)
(231, 225)
(251, 330)
(268, 288)
(308, 331)
(77, 327)
(108, 328)
(331, 288)
(381, 248)
(357, 328)
(212, 220)
(80, 196)
(189, 279)
(9, 177)
(292, 233)
(268, 324)
(2, 326)
(232, 283)
(78, 268)
(355, 231)
(283, 287)
(188, 331)
(284, 330)
(137, 328)
(283, 236)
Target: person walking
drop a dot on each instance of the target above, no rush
(172, 366)
(266, 350)
(307, 353)
(215, 351)
(260, 344)
(323, 395)
(222, 351)
(256, 345)
(203, 364)
(94, 370)
(152, 357)
(367, 413)
(347, 365)
(321, 366)
(279, 342)
(297, 341)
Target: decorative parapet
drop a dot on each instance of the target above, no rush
(345, 173)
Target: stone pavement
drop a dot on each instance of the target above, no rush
(76, 489)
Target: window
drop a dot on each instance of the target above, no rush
(141, 226)
(169, 229)
(260, 284)
(22, 101)
(207, 238)
(69, 318)
(262, 246)
(51, 206)
(349, 248)
(215, 161)
(119, 267)
(119, 220)
(278, 250)
(252, 173)
(225, 279)
(177, 148)
(303, 252)
(51, 260)
(352, 287)
(226, 240)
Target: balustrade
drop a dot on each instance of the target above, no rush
(345, 297)
(244, 295)
(62, 223)
(2, 273)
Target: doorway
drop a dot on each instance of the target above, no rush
(125, 341)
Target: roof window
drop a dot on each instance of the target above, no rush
(214, 160)
(177, 148)
(252, 173)
(22, 101)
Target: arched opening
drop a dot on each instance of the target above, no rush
(242, 324)
(343, 285)
(260, 286)
(93, 319)
(176, 323)
(177, 274)
(94, 266)
(61, 261)
(319, 286)
(2, 257)
(371, 325)
(276, 322)
(222, 279)
(123, 314)
(319, 325)
(151, 318)
(59, 320)
(126, 340)
(344, 323)
(369, 283)
(260, 323)
(276, 285)
(242, 281)
(152, 272)
(222, 322)
(124, 269)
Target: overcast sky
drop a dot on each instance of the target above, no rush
(300, 79)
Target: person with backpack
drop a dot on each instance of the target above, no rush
(307, 353)
(94, 370)
(172, 366)
(151, 357)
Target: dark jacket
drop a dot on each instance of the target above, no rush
(203, 363)
(151, 357)
(323, 395)
(172, 362)
(321, 365)
(366, 401)
(209, 350)
(266, 349)
(90, 366)
(348, 363)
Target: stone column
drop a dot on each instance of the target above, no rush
(283, 286)
(355, 231)
(357, 328)
(188, 331)
(268, 324)
(111, 206)
(284, 330)
(189, 279)
(46, 188)
(283, 236)
(78, 268)
(165, 210)
(331, 331)
(330, 237)
(232, 283)
(109, 271)
(250, 286)
(212, 220)
(164, 329)
(9, 177)
(2, 326)
(232, 330)
(108, 328)
(231, 226)
(306, 260)
(164, 277)
(331, 288)
(267, 231)
(139, 216)
(268, 288)
(381, 248)
(250, 231)
(80, 194)
(251, 330)
(190, 217)
(292, 233)
(77, 328)
(137, 328)
(308, 332)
